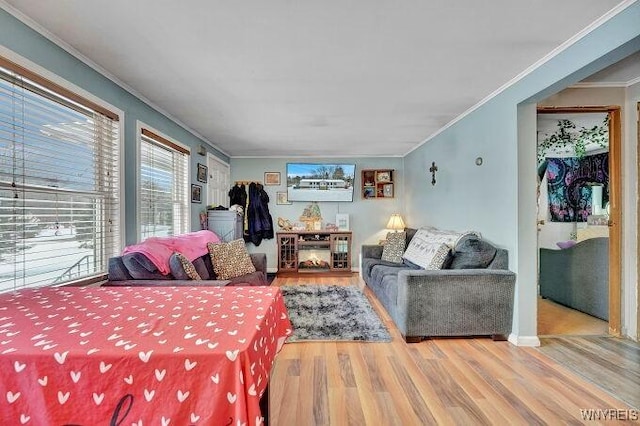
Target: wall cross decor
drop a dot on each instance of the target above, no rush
(433, 169)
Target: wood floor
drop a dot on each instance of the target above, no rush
(440, 381)
(611, 362)
(555, 319)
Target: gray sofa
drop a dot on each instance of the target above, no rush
(578, 276)
(446, 302)
(134, 269)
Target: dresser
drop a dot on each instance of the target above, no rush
(314, 251)
(228, 225)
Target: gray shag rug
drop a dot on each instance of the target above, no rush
(328, 312)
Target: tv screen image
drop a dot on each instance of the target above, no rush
(320, 182)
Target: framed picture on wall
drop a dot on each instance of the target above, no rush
(272, 178)
(342, 220)
(196, 193)
(281, 198)
(202, 173)
(383, 177)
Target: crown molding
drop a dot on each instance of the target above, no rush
(555, 52)
(634, 81)
(100, 70)
(308, 157)
(603, 84)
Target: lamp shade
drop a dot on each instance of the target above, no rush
(395, 222)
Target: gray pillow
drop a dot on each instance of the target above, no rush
(182, 268)
(141, 268)
(201, 267)
(180, 273)
(472, 253)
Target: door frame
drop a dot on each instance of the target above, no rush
(615, 204)
(213, 159)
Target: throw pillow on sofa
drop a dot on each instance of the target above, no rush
(427, 253)
(450, 238)
(473, 253)
(393, 248)
(182, 268)
(230, 259)
(141, 268)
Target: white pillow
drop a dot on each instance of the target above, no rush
(450, 238)
(427, 252)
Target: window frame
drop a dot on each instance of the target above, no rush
(169, 143)
(65, 88)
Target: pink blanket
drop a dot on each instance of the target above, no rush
(159, 249)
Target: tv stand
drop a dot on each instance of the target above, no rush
(314, 252)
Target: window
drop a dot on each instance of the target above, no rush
(163, 203)
(59, 194)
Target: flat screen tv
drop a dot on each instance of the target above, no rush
(320, 181)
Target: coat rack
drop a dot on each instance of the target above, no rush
(247, 182)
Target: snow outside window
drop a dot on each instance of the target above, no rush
(163, 193)
(59, 189)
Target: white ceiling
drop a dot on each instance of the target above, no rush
(326, 78)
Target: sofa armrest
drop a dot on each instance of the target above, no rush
(372, 251)
(455, 302)
(259, 260)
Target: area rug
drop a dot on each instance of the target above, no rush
(327, 312)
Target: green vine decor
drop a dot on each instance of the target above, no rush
(568, 135)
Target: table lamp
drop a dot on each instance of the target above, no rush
(395, 222)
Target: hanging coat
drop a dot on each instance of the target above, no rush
(238, 195)
(260, 223)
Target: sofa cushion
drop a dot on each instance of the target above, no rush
(230, 259)
(394, 247)
(182, 268)
(252, 279)
(208, 265)
(141, 268)
(201, 267)
(379, 271)
(117, 270)
(368, 263)
(472, 253)
(410, 234)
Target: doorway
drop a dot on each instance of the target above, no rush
(218, 185)
(579, 269)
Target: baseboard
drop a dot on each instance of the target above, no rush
(524, 340)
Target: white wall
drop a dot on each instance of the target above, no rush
(367, 218)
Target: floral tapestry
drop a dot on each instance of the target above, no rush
(569, 183)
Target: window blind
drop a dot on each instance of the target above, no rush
(59, 188)
(163, 195)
